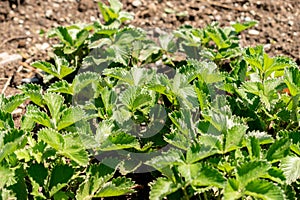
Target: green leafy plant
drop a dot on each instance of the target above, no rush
(125, 116)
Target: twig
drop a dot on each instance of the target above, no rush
(217, 4)
(14, 38)
(26, 65)
(7, 84)
(10, 78)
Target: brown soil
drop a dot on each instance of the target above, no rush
(22, 27)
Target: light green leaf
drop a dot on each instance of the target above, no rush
(13, 102)
(234, 137)
(38, 116)
(167, 159)
(264, 190)
(60, 86)
(162, 187)
(74, 149)
(198, 152)
(117, 187)
(239, 27)
(55, 104)
(6, 121)
(81, 37)
(7, 177)
(291, 168)
(52, 137)
(120, 140)
(291, 78)
(253, 147)
(278, 150)
(10, 142)
(251, 171)
(83, 80)
(208, 176)
(34, 92)
(231, 191)
(70, 116)
(63, 34)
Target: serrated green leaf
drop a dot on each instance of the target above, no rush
(291, 78)
(99, 175)
(198, 152)
(231, 191)
(54, 103)
(117, 187)
(279, 149)
(81, 36)
(167, 159)
(7, 177)
(162, 187)
(11, 142)
(234, 137)
(70, 116)
(218, 36)
(74, 149)
(253, 147)
(63, 34)
(120, 140)
(82, 80)
(6, 121)
(208, 176)
(34, 92)
(134, 98)
(13, 102)
(239, 27)
(264, 190)
(52, 137)
(38, 173)
(59, 178)
(60, 86)
(291, 168)
(20, 187)
(46, 67)
(108, 13)
(251, 171)
(38, 116)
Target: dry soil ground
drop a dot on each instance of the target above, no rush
(22, 26)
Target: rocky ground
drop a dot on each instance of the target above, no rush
(23, 26)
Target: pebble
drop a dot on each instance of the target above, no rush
(253, 32)
(248, 19)
(291, 23)
(267, 46)
(136, 3)
(43, 46)
(6, 58)
(49, 14)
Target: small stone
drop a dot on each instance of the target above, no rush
(267, 46)
(136, 3)
(92, 18)
(247, 19)
(253, 32)
(42, 47)
(218, 17)
(291, 23)
(49, 14)
(6, 58)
